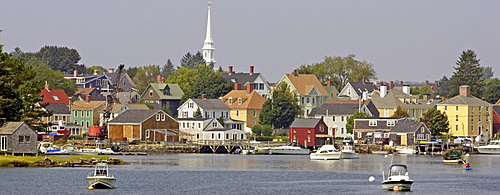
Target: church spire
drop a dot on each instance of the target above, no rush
(208, 48)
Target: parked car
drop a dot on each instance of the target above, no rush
(382, 141)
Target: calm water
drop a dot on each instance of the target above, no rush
(260, 174)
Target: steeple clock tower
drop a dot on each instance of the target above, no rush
(208, 48)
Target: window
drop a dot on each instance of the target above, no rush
(88, 124)
(213, 114)
(75, 113)
(242, 136)
(21, 139)
(472, 128)
(254, 113)
(190, 105)
(302, 100)
(214, 124)
(162, 117)
(230, 100)
(240, 101)
(456, 108)
(307, 100)
(456, 117)
(422, 129)
(321, 128)
(199, 125)
(372, 123)
(227, 136)
(254, 122)
(472, 109)
(197, 136)
(360, 134)
(157, 117)
(187, 125)
(150, 93)
(294, 130)
(308, 131)
(185, 114)
(420, 136)
(342, 118)
(333, 118)
(386, 135)
(308, 138)
(472, 118)
(261, 86)
(147, 133)
(218, 136)
(445, 107)
(391, 122)
(456, 127)
(3, 143)
(313, 101)
(213, 135)
(386, 112)
(88, 113)
(237, 113)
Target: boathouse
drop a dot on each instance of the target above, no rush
(309, 132)
(17, 138)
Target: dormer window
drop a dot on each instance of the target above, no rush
(150, 93)
(372, 123)
(230, 100)
(240, 101)
(166, 90)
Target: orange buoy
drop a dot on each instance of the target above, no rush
(91, 188)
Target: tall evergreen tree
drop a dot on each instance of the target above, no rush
(443, 88)
(167, 69)
(280, 110)
(191, 61)
(467, 72)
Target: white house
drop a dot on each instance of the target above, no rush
(208, 129)
(260, 84)
(210, 108)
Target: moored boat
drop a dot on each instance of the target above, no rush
(492, 148)
(92, 151)
(398, 179)
(348, 152)
(326, 152)
(453, 156)
(290, 148)
(406, 150)
(100, 177)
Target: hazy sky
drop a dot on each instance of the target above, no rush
(404, 40)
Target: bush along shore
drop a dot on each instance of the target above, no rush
(54, 161)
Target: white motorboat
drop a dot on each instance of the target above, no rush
(492, 148)
(92, 151)
(406, 150)
(290, 148)
(47, 149)
(326, 152)
(348, 152)
(100, 178)
(398, 179)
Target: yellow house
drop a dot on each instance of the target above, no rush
(245, 105)
(467, 115)
(388, 101)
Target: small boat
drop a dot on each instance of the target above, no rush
(100, 178)
(47, 149)
(492, 148)
(453, 156)
(348, 152)
(290, 148)
(92, 151)
(326, 152)
(398, 179)
(406, 150)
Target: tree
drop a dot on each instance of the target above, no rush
(350, 121)
(436, 121)
(400, 113)
(197, 114)
(59, 58)
(487, 72)
(422, 90)
(443, 88)
(146, 75)
(467, 72)
(280, 110)
(208, 82)
(490, 90)
(90, 70)
(267, 130)
(257, 130)
(191, 61)
(167, 69)
(132, 71)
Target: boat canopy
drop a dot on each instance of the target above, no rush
(398, 169)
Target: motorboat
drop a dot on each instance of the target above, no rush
(492, 148)
(100, 177)
(290, 148)
(326, 152)
(453, 156)
(92, 151)
(397, 179)
(406, 150)
(47, 149)
(348, 152)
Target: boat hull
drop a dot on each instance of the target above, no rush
(488, 150)
(402, 185)
(289, 151)
(326, 156)
(99, 182)
(349, 155)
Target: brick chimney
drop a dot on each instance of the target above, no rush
(237, 86)
(465, 90)
(91, 85)
(88, 98)
(329, 83)
(230, 70)
(251, 70)
(47, 87)
(295, 73)
(96, 72)
(426, 82)
(391, 85)
(249, 88)
(159, 78)
(75, 73)
(116, 101)
(204, 96)
(363, 80)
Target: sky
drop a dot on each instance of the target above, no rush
(404, 40)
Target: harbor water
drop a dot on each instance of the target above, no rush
(261, 174)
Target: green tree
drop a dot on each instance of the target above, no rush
(422, 90)
(146, 75)
(197, 114)
(90, 70)
(184, 77)
(490, 90)
(487, 72)
(132, 71)
(167, 69)
(267, 130)
(280, 110)
(467, 72)
(190, 61)
(208, 82)
(59, 58)
(257, 130)
(350, 121)
(443, 88)
(436, 121)
(400, 113)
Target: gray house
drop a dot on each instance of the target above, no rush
(17, 138)
(409, 132)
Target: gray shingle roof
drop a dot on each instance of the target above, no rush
(134, 116)
(360, 87)
(241, 78)
(211, 104)
(470, 100)
(305, 122)
(407, 126)
(58, 108)
(335, 109)
(9, 127)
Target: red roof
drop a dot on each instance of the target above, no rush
(54, 96)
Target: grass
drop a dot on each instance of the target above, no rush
(25, 161)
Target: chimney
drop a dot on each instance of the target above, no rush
(363, 80)
(443, 98)
(75, 73)
(249, 88)
(329, 83)
(88, 98)
(237, 86)
(111, 70)
(401, 82)
(251, 70)
(96, 72)
(47, 87)
(204, 96)
(406, 89)
(365, 95)
(295, 73)
(391, 85)
(426, 82)
(465, 90)
(116, 101)
(383, 91)
(426, 97)
(91, 85)
(159, 78)
(230, 70)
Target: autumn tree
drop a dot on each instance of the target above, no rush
(436, 121)
(400, 113)
(280, 110)
(467, 72)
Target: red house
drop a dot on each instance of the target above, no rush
(496, 119)
(309, 132)
(53, 95)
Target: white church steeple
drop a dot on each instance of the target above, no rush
(208, 48)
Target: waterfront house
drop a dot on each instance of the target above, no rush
(467, 115)
(143, 125)
(245, 105)
(17, 138)
(496, 119)
(260, 84)
(163, 95)
(209, 108)
(332, 91)
(86, 113)
(368, 129)
(60, 112)
(310, 132)
(408, 132)
(309, 91)
(208, 129)
(53, 95)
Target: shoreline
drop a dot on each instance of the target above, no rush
(54, 161)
